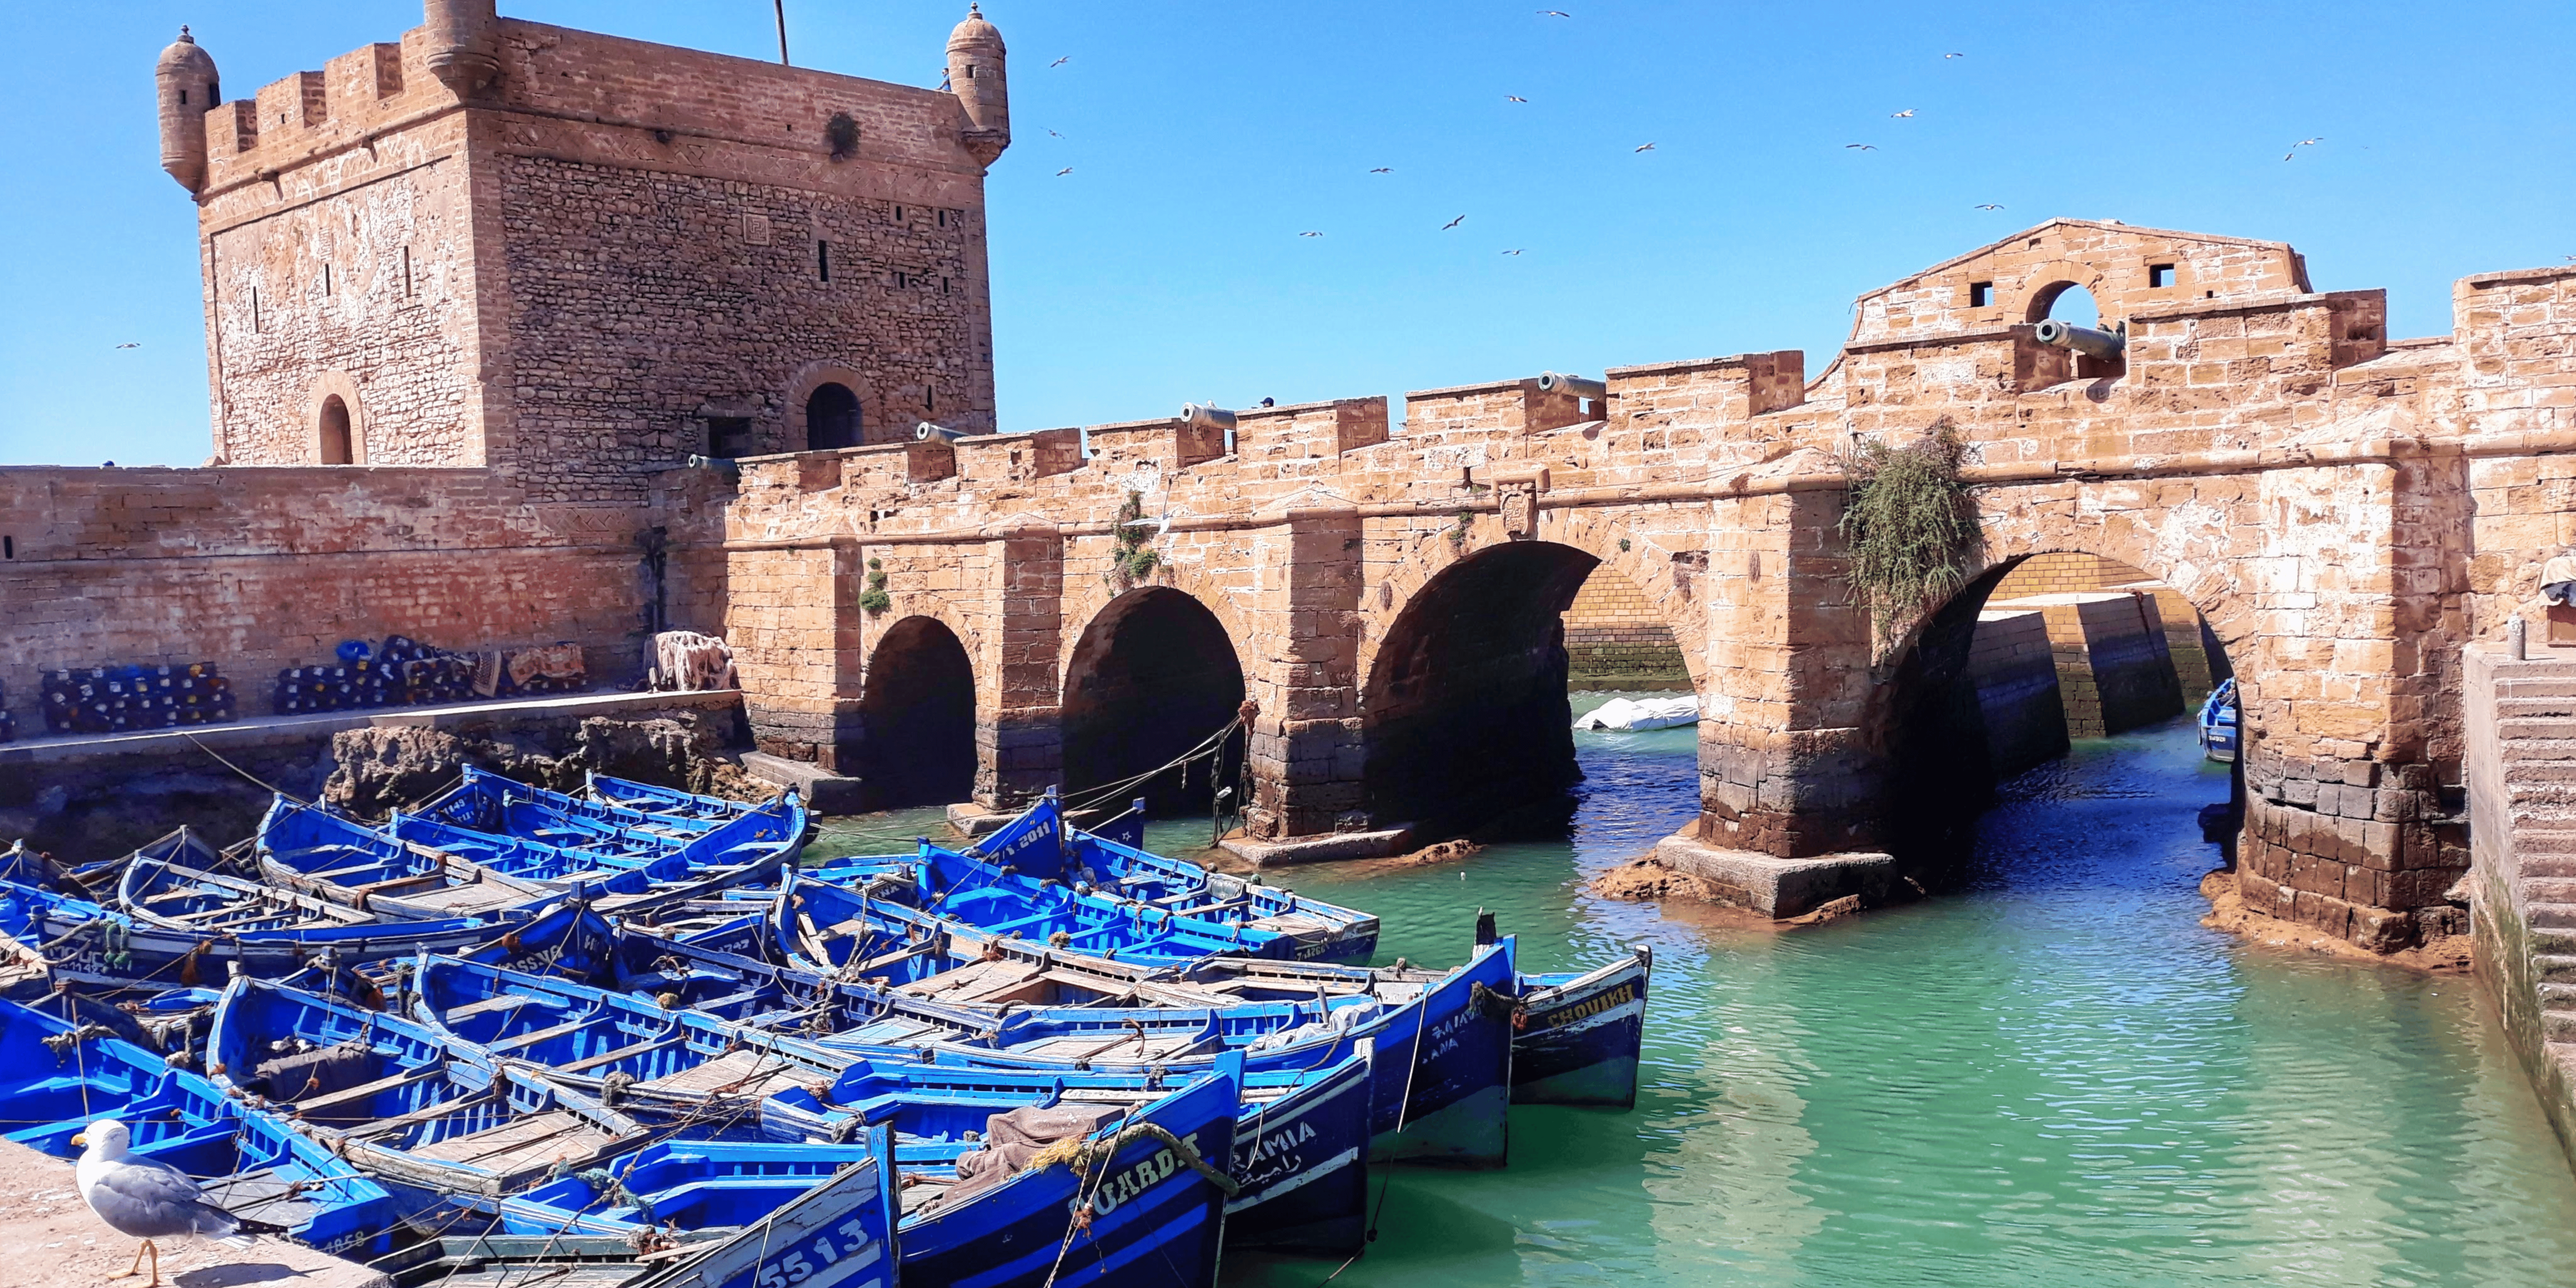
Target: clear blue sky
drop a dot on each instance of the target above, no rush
(1204, 137)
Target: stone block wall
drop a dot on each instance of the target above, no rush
(2014, 671)
(1614, 639)
(580, 276)
(258, 569)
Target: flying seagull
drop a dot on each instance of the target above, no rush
(1554, 13)
(1053, 135)
(1990, 206)
(1384, 169)
(1514, 252)
(146, 1199)
(1514, 98)
(1310, 234)
(131, 344)
(2303, 143)
(1902, 115)
(1453, 223)
(1063, 172)
(1865, 147)
(1954, 55)
(1645, 147)
(1061, 61)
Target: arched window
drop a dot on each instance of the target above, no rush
(338, 448)
(831, 418)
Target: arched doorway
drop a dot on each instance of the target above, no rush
(1465, 709)
(831, 418)
(2037, 653)
(1153, 676)
(918, 706)
(339, 444)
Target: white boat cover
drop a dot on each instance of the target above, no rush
(1633, 713)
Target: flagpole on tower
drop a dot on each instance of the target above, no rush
(781, 7)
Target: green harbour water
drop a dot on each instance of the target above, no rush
(2054, 1077)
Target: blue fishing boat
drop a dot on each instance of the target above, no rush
(2218, 723)
(90, 943)
(1460, 1031)
(1043, 845)
(418, 868)
(488, 802)
(663, 802)
(1303, 1172)
(57, 1077)
(1577, 1037)
(818, 918)
(403, 1103)
(1001, 1184)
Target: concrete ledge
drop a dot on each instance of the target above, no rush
(50, 1239)
(824, 791)
(1777, 887)
(1330, 847)
(321, 725)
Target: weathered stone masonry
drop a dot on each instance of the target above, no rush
(2321, 495)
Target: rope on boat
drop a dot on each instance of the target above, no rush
(1213, 745)
(1080, 1156)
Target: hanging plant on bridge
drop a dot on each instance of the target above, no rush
(1133, 559)
(1910, 527)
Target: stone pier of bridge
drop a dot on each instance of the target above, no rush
(2344, 510)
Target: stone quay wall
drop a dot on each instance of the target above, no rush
(258, 569)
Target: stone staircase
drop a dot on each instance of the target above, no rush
(2530, 796)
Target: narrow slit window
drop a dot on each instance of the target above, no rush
(943, 286)
(326, 279)
(823, 260)
(930, 400)
(406, 254)
(8, 547)
(183, 98)
(254, 310)
(2160, 276)
(1981, 295)
(898, 214)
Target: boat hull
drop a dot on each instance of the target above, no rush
(1578, 1043)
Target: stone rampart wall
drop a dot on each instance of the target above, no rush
(258, 569)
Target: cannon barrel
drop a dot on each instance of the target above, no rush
(2085, 340)
(1202, 416)
(930, 430)
(1557, 382)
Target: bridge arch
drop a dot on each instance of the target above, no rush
(1463, 703)
(1951, 718)
(918, 707)
(1151, 676)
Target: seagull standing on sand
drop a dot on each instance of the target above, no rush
(146, 1199)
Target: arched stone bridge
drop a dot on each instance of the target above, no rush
(2345, 511)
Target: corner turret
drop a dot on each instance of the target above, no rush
(976, 76)
(185, 79)
(461, 36)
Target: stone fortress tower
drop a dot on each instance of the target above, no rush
(578, 260)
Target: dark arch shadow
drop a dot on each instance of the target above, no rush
(919, 712)
(1465, 711)
(1152, 676)
(1949, 737)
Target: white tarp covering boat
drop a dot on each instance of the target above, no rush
(1634, 713)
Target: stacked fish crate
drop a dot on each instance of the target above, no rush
(120, 699)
